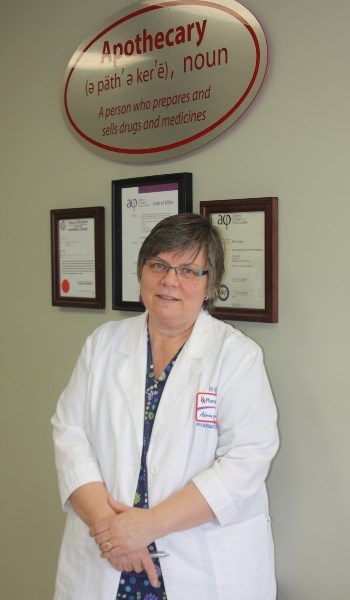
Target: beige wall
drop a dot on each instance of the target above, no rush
(293, 142)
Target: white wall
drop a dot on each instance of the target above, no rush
(293, 142)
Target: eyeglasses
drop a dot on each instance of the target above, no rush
(183, 273)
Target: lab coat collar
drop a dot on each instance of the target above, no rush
(198, 344)
(130, 368)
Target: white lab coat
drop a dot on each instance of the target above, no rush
(215, 425)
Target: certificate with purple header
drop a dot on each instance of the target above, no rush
(138, 204)
(142, 208)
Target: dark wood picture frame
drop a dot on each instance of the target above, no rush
(269, 206)
(58, 217)
(183, 184)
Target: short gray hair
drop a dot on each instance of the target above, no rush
(184, 232)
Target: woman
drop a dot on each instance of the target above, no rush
(163, 441)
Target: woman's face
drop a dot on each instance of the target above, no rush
(173, 303)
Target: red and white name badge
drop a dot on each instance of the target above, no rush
(206, 408)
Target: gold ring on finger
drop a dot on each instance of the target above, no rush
(108, 546)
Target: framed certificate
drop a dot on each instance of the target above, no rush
(249, 229)
(138, 204)
(78, 257)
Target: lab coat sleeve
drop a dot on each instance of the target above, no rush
(76, 461)
(248, 436)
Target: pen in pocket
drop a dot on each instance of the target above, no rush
(159, 554)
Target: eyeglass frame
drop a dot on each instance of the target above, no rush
(198, 272)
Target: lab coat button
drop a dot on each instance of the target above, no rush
(154, 469)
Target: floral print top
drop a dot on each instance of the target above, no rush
(136, 586)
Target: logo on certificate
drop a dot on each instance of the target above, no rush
(223, 292)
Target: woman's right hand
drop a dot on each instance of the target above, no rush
(138, 561)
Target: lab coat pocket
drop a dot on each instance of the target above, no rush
(243, 560)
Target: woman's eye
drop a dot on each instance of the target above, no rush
(158, 266)
(188, 271)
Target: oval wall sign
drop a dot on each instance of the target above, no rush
(161, 79)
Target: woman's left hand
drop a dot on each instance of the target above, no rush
(132, 529)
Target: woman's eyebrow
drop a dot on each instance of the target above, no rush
(184, 264)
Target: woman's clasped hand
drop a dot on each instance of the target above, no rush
(124, 538)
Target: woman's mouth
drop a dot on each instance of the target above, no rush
(164, 297)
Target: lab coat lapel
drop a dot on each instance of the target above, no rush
(185, 370)
(130, 372)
